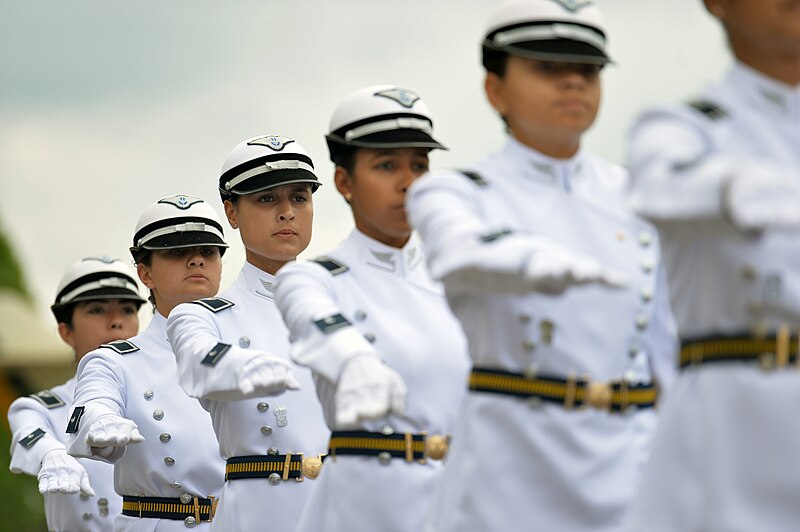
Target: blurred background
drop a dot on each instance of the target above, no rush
(107, 106)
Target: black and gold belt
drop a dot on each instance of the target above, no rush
(388, 444)
(614, 396)
(770, 352)
(191, 510)
(273, 467)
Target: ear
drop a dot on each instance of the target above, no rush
(716, 8)
(67, 334)
(344, 183)
(145, 276)
(495, 92)
(231, 214)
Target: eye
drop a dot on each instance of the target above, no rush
(208, 252)
(129, 309)
(590, 71)
(177, 252)
(547, 67)
(386, 166)
(96, 310)
(420, 167)
(266, 198)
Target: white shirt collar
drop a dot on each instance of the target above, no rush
(158, 326)
(775, 97)
(563, 174)
(403, 261)
(257, 280)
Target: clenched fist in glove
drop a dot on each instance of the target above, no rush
(761, 197)
(551, 269)
(61, 473)
(367, 389)
(113, 431)
(266, 374)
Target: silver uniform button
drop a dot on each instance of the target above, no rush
(266, 430)
(274, 479)
(360, 315)
(165, 437)
(370, 337)
(387, 430)
(645, 239)
(189, 522)
(633, 351)
(158, 414)
(262, 406)
(244, 342)
(84, 497)
(524, 318)
(384, 457)
(641, 322)
(176, 485)
(529, 345)
(647, 295)
(272, 451)
(629, 376)
(647, 266)
(148, 394)
(86, 516)
(102, 501)
(185, 498)
(169, 460)
(104, 511)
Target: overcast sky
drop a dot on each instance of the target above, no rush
(107, 106)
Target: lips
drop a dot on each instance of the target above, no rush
(285, 233)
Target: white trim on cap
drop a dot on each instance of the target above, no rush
(180, 228)
(552, 31)
(389, 125)
(269, 166)
(108, 282)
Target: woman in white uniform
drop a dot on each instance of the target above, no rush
(233, 350)
(389, 358)
(720, 176)
(558, 287)
(96, 302)
(129, 409)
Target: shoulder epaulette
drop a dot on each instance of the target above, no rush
(214, 304)
(123, 347)
(332, 265)
(475, 178)
(30, 440)
(711, 110)
(48, 399)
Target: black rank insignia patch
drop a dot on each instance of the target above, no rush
(332, 323)
(180, 201)
(710, 109)
(273, 142)
(404, 97)
(75, 419)
(496, 235)
(122, 347)
(214, 304)
(31, 439)
(475, 178)
(332, 265)
(48, 399)
(215, 354)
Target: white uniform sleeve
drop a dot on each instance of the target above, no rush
(194, 335)
(26, 416)
(664, 357)
(465, 252)
(677, 172)
(305, 296)
(101, 391)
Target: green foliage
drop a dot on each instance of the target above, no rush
(10, 270)
(21, 504)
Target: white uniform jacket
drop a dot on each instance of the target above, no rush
(725, 457)
(179, 453)
(516, 465)
(38, 425)
(289, 422)
(398, 313)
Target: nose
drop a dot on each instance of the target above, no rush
(408, 176)
(116, 320)
(196, 259)
(286, 212)
(573, 79)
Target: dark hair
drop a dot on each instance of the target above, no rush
(63, 313)
(494, 61)
(346, 158)
(145, 256)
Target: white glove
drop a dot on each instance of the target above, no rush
(552, 269)
(61, 473)
(113, 431)
(768, 199)
(267, 374)
(367, 389)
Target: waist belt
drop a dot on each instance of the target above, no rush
(191, 509)
(770, 352)
(614, 396)
(388, 445)
(273, 467)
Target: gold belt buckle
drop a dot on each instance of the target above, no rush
(312, 465)
(598, 395)
(436, 446)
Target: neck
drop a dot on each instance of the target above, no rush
(552, 146)
(783, 66)
(265, 265)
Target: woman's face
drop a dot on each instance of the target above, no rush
(275, 224)
(763, 26)
(98, 322)
(376, 190)
(181, 275)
